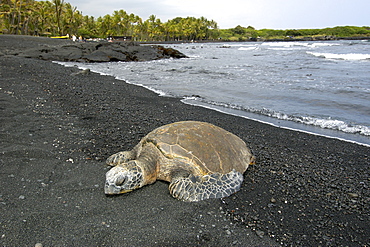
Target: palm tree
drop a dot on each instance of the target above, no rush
(56, 17)
(89, 27)
(58, 6)
(119, 22)
(71, 19)
(154, 28)
(43, 11)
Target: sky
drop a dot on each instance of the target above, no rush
(274, 14)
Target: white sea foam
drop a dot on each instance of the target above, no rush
(284, 48)
(298, 44)
(322, 123)
(332, 124)
(349, 56)
(159, 92)
(291, 45)
(237, 45)
(247, 48)
(221, 107)
(284, 44)
(319, 44)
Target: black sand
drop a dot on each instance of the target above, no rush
(57, 130)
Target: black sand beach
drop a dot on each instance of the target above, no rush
(57, 129)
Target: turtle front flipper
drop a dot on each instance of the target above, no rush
(120, 157)
(197, 188)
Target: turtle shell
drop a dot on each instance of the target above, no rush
(208, 148)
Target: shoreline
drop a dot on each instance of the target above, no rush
(58, 129)
(255, 40)
(276, 122)
(280, 126)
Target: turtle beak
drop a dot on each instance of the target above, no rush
(111, 189)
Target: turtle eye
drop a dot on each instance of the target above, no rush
(120, 180)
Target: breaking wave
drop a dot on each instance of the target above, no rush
(350, 56)
(324, 123)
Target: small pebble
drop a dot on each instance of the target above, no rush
(22, 197)
(38, 245)
(353, 195)
(260, 233)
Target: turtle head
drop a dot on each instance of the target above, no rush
(123, 178)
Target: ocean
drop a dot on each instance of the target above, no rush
(318, 87)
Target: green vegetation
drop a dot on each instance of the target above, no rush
(56, 18)
(249, 33)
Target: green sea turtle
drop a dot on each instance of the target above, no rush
(200, 160)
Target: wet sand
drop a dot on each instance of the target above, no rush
(57, 129)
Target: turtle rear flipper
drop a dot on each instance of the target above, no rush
(197, 188)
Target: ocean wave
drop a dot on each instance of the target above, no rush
(349, 56)
(247, 48)
(334, 124)
(323, 123)
(298, 44)
(284, 46)
(238, 45)
(327, 123)
(319, 44)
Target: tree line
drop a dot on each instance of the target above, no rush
(240, 33)
(57, 18)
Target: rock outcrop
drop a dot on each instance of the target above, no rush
(99, 52)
